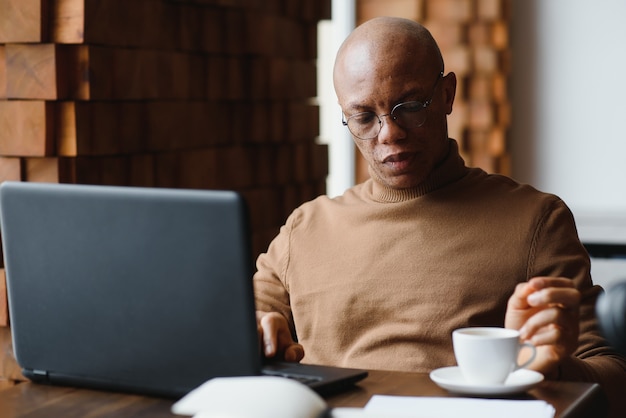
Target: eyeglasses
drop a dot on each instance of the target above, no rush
(367, 125)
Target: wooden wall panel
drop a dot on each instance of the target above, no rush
(23, 21)
(26, 128)
(4, 306)
(203, 94)
(3, 73)
(10, 170)
(10, 372)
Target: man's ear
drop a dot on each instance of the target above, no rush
(449, 91)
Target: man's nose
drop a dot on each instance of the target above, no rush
(390, 131)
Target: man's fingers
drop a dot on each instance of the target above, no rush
(518, 299)
(276, 337)
(542, 282)
(269, 325)
(547, 336)
(294, 353)
(545, 291)
(550, 325)
(564, 297)
(546, 311)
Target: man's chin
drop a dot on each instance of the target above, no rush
(401, 182)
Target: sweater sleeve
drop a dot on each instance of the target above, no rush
(270, 288)
(557, 251)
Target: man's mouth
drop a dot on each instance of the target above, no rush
(397, 158)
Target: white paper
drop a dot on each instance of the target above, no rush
(433, 407)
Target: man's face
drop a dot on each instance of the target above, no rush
(399, 156)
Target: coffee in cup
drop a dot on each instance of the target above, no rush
(488, 355)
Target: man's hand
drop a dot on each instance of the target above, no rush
(276, 338)
(545, 310)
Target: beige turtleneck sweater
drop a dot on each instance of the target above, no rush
(378, 278)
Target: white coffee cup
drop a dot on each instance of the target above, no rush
(488, 355)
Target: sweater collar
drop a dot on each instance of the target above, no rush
(450, 169)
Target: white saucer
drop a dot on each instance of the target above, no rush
(450, 378)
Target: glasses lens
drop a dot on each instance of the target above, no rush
(410, 114)
(364, 125)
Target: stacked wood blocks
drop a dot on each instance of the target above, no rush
(473, 37)
(208, 94)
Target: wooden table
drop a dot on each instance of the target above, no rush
(570, 399)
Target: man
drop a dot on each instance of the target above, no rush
(379, 277)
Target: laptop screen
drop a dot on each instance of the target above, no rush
(139, 289)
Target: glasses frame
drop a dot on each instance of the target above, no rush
(422, 105)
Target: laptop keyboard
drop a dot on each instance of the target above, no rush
(297, 377)
(289, 371)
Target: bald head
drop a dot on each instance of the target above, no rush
(391, 65)
(385, 44)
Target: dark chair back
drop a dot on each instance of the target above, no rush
(611, 311)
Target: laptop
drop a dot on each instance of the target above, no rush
(133, 289)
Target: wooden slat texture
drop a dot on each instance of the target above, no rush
(166, 24)
(489, 9)
(42, 170)
(479, 33)
(292, 79)
(481, 115)
(139, 23)
(26, 128)
(9, 369)
(81, 72)
(10, 170)
(198, 169)
(141, 170)
(148, 23)
(48, 72)
(68, 21)
(486, 60)
(496, 142)
(81, 170)
(3, 72)
(500, 35)
(109, 128)
(301, 120)
(100, 128)
(4, 306)
(179, 125)
(89, 128)
(319, 162)
(459, 60)
(449, 10)
(31, 71)
(410, 9)
(262, 207)
(114, 171)
(211, 34)
(447, 35)
(23, 20)
(324, 9)
(233, 167)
